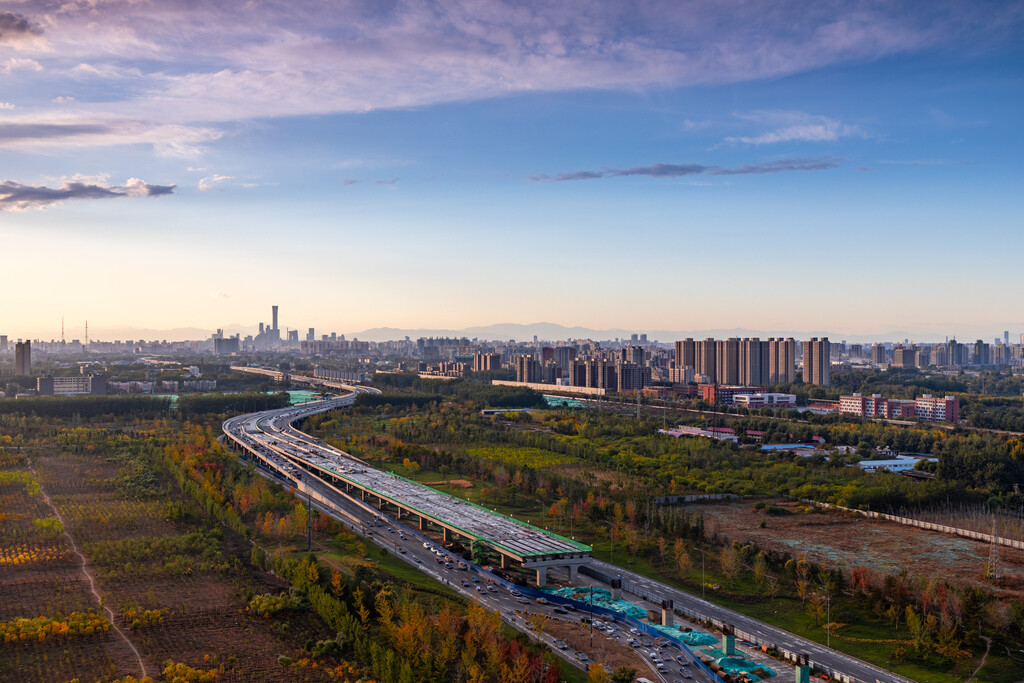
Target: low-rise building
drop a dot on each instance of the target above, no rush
(765, 400)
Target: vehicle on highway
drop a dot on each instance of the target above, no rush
(559, 610)
(402, 550)
(543, 601)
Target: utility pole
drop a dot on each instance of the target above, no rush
(703, 583)
(591, 618)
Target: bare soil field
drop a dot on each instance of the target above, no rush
(852, 540)
(201, 594)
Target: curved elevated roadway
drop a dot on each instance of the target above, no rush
(270, 437)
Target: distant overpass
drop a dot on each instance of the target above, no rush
(279, 376)
(270, 438)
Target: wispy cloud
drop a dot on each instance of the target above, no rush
(206, 184)
(681, 170)
(213, 64)
(349, 181)
(6, 105)
(392, 181)
(781, 166)
(19, 64)
(794, 126)
(16, 196)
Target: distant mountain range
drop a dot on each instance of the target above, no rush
(546, 331)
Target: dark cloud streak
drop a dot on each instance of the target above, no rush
(681, 170)
(46, 131)
(14, 27)
(15, 196)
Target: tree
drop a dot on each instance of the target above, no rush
(760, 570)
(624, 674)
(598, 674)
(539, 621)
(729, 559)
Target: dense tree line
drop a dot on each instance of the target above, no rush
(195, 404)
(87, 406)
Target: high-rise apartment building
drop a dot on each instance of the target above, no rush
(483, 362)
(3, 343)
(706, 360)
(817, 362)
(755, 362)
(956, 353)
(878, 354)
(982, 353)
(23, 358)
(528, 369)
(686, 353)
(727, 361)
(564, 356)
(904, 357)
(781, 361)
(273, 327)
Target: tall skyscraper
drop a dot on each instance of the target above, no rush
(273, 327)
(818, 362)
(781, 361)
(23, 358)
(3, 343)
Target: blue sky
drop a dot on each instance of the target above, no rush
(851, 167)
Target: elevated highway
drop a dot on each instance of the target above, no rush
(272, 439)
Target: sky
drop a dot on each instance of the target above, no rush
(847, 166)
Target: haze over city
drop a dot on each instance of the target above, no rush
(849, 168)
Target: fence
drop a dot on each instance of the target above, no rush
(930, 526)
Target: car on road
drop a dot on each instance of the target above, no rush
(523, 601)
(559, 610)
(543, 601)
(426, 545)
(418, 560)
(582, 656)
(402, 550)
(476, 580)
(560, 644)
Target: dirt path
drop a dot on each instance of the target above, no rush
(988, 647)
(88, 574)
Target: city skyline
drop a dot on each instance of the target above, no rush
(545, 331)
(841, 169)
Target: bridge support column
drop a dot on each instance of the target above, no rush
(504, 561)
(444, 534)
(362, 494)
(573, 573)
(542, 577)
(728, 644)
(380, 503)
(423, 523)
(666, 612)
